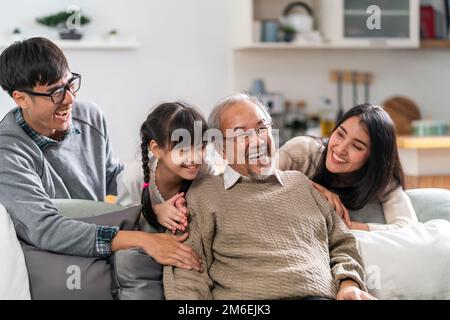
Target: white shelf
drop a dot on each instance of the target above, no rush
(88, 44)
(385, 13)
(281, 45)
(377, 44)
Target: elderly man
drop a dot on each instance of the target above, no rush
(263, 233)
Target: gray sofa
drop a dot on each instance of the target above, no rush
(429, 204)
(395, 283)
(76, 208)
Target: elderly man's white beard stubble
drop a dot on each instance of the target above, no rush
(263, 156)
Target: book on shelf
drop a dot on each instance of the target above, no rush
(435, 19)
(427, 22)
(440, 24)
(447, 16)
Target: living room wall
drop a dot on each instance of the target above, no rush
(184, 54)
(423, 75)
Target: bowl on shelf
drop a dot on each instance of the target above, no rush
(425, 128)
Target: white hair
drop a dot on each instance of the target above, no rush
(216, 113)
(214, 120)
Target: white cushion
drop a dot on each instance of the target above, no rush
(408, 263)
(14, 283)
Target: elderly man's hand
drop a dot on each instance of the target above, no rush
(349, 290)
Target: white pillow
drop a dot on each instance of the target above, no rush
(14, 283)
(408, 263)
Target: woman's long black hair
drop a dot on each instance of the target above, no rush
(382, 168)
(159, 126)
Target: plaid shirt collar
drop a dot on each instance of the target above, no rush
(41, 141)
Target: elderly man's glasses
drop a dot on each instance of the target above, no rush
(261, 131)
(58, 94)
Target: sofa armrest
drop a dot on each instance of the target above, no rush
(13, 276)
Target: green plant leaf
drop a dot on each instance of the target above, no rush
(61, 17)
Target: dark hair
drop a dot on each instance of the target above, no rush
(159, 126)
(25, 64)
(381, 169)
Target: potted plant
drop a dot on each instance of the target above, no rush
(288, 32)
(16, 34)
(68, 22)
(112, 34)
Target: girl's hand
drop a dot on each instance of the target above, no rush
(169, 216)
(335, 202)
(180, 204)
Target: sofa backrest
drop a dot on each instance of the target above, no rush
(429, 204)
(77, 208)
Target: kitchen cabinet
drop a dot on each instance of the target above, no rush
(352, 22)
(342, 23)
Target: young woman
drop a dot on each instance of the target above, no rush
(358, 164)
(172, 156)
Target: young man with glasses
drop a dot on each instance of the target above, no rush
(54, 147)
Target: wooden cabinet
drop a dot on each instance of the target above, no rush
(415, 182)
(425, 161)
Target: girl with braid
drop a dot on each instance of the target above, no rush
(173, 154)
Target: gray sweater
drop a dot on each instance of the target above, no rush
(81, 167)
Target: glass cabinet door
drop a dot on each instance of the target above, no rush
(395, 19)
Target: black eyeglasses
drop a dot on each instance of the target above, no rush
(58, 95)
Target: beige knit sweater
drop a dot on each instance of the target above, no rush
(301, 153)
(262, 240)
